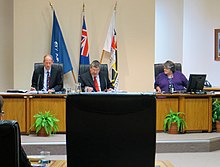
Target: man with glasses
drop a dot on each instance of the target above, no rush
(95, 80)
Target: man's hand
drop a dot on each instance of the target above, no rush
(158, 89)
(109, 90)
(88, 89)
(51, 90)
(32, 89)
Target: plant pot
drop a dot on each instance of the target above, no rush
(173, 128)
(217, 126)
(42, 132)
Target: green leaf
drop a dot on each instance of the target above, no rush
(46, 120)
(174, 117)
(215, 110)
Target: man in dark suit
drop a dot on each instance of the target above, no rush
(47, 77)
(95, 80)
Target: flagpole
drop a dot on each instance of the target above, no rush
(83, 7)
(51, 6)
(102, 57)
(83, 12)
(115, 6)
(74, 76)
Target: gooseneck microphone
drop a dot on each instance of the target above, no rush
(106, 86)
(38, 82)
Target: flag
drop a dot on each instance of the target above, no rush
(110, 48)
(59, 52)
(84, 49)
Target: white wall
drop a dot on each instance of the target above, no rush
(169, 31)
(185, 33)
(6, 44)
(201, 17)
(135, 21)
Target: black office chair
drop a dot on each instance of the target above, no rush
(10, 142)
(12, 154)
(40, 65)
(158, 68)
(85, 67)
(110, 130)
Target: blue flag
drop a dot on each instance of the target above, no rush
(58, 47)
(84, 49)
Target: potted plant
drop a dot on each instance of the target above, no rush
(45, 123)
(216, 114)
(173, 123)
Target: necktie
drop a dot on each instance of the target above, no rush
(96, 84)
(48, 80)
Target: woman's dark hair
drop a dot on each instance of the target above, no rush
(170, 65)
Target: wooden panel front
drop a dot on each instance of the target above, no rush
(15, 109)
(163, 108)
(56, 106)
(197, 113)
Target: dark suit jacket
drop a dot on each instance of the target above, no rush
(86, 80)
(56, 78)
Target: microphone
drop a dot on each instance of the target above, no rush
(38, 82)
(106, 86)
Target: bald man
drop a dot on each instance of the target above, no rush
(48, 78)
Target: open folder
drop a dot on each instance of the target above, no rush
(16, 91)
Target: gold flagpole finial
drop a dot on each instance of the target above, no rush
(115, 5)
(51, 5)
(83, 7)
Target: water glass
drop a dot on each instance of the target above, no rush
(46, 154)
(68, 90)
(78, 87)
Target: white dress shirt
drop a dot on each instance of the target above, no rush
(45, 78)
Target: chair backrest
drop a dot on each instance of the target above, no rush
(120, 128)
(40, 65)
(158, 68)
(85, 67)
(10, 143)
